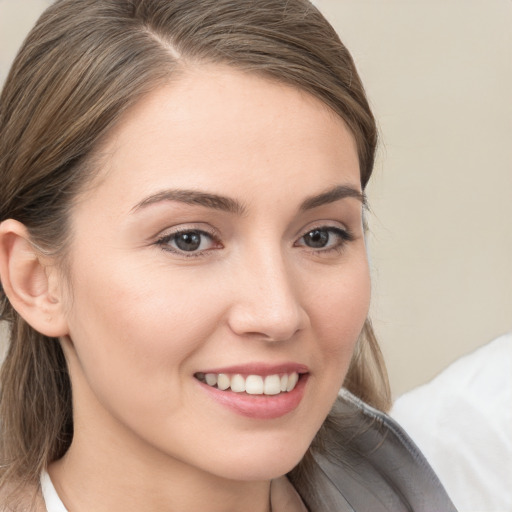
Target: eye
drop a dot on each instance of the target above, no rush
(325, 238)
(192, 241)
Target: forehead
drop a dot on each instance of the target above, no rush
(215, 124)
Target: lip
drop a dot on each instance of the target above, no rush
(262, 369)
(262, 407)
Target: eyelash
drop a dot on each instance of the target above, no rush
(345, 236)
(164, 242)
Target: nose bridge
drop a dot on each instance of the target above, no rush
(268, 302)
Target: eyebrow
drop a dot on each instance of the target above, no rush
(332, 195)
(227, 204)
(194, 197)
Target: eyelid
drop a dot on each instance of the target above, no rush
(332, 225)
(185, 227)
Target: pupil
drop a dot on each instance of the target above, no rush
(317, 238)
(188, 241)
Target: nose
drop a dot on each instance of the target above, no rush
(266, 301)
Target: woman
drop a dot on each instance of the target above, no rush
(184, 266)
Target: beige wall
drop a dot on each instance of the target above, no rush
(439, 76)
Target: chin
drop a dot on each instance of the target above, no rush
(261, 463)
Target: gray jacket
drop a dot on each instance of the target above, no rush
(375, 467)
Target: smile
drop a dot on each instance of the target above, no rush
(251, 384)
(256, 390)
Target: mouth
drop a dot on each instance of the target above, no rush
(251, 384)
(256, 391)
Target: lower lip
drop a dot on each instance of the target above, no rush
(264, 407)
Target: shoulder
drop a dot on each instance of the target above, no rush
(368, 461)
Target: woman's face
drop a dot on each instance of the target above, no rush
(222, 242)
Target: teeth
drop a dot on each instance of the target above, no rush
(284, 382)
(292, 381)
(252, 384)
(272, 385)
(237, 384)
(211, 379)
(223, 381)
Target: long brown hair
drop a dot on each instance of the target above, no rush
(82, 66)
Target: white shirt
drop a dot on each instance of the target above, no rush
(51, 498)
(462, 421)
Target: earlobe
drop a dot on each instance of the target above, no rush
(26, 278)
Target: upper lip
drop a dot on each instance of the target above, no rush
(262, 369)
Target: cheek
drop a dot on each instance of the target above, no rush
(136, 326)
(341, 306)
(338, 313)
(136, 299)
(133, 341)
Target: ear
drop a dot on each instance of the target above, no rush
(30, 283)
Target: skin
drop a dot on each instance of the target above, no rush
(140, 318)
